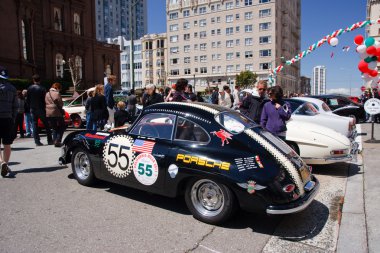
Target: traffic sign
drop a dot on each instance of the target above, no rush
(372, 106)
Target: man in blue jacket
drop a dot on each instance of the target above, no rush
(8, 112)
(108, 92)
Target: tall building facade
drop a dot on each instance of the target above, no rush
(154, 59)
(42, 35)
(125, 60)
(113, 18)
(319, 81)
(211, 41)
(305, 85)
(373, 10)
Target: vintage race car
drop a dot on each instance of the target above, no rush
(217, 158)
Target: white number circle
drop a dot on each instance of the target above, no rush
(118, 156)
(145, 168)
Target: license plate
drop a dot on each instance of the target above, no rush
(305, 174)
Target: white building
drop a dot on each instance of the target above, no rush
(319, 81)
(125, 62)
(211, 41)
(113, 18)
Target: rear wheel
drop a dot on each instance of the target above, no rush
(82, 167)
(209, 201)
(76, 121)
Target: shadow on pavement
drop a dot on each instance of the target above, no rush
(337, 170)
(21, 149)
(38, 170)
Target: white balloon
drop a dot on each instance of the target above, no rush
(361, 49)
(363, 55)
(334, 42)
(372, 65)
(377, 43)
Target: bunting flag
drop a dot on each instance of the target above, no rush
(332, 55)
(346, 48)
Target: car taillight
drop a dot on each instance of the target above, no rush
(338, 152)
(289, 188)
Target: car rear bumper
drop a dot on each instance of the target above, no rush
(298, 205)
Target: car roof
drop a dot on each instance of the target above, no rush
(188, 107)
(309, 99)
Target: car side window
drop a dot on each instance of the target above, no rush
(155, 125)
(187, 130)
(333, 101)
(343, 102)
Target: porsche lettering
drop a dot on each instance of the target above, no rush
(188, 159)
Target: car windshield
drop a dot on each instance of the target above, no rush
(234, 122)
(306, 109)
(325, 107)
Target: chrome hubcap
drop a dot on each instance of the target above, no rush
(207, 197)
(82, 165)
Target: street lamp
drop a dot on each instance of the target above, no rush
(131, 50)
(194, 82)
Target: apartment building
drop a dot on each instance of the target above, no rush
(113, 18)
(305, 85)
(125, 60)
(211, 41)
(373, 10)
(154, 53)
(319, 81)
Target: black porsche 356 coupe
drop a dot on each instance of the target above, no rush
(217, 158)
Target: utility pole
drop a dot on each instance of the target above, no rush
(131, 50)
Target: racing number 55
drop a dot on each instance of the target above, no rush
(118, 158)
(147, 170)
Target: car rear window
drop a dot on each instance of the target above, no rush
(234, 122)
(306, 109)
(325, 107)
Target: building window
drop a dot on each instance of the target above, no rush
(265, 53)
(59, 65)
(217, 19)
(265, 66)
(265, 13)
(78, 66)
(173, 27)
(264, 1)
(248, 41)
(248, 2)
(212, 20)
(229, 56)
(218, 32)
(249, 67)
(237, 29)
(195, 46)
(219, 44)
(203, 46)
(213, 44)
(173, 15)
(203, 70)
(265, 26)
(195, 35)
(186, 60)
(248, 54)
(248, 28)
(248, 15)
(174, 72)
(174, 50)
(229, 30)
(186, 36)
(174, 38)
(237, 16)
(229, 68)
(229, 18)
(202, 22)
(229, 43)
(237, 43)
(77, 26)
(229, 5)
(203, 58)
(238, 68)
(57, 19)
(24, 43)
(202, 10)
(186, 48)
(186, 25)
(174, 61)
(195, 22)
(186, 13)
(202, 34)
(212, 32)
(265, 40)
(187, 71)
(237, 55)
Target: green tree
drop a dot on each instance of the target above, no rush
(246, 79)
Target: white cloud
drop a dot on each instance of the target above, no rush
(345, 91)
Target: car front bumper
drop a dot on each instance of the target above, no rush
(298, 205)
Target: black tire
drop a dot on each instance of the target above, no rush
(82, 167)
(294, 146)
(76, 121)
(221, 213)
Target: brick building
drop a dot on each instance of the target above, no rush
(39, 36)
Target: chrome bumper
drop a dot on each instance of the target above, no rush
(298, 205)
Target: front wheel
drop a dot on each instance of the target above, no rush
(209, 201)
(82, 167)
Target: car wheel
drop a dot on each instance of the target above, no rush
(77, 121)
(82, 167)
(209, 201)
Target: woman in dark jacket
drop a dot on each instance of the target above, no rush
(98, 105)
(275, 113)
(179, 94)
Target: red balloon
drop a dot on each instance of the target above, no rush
(362, 88)
(378, 52)
(371, 50)
(359, 40)
(363, 66)
(373, 73)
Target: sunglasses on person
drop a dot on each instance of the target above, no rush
(263, 89)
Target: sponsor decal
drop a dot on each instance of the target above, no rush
(258, 161)
(97, 144)
(118, 156)
(145, 168)
(223, 136)
(247, 163)
(173, 170)
(104, 134)
(202, 161)
(251, 189)
(95, 136)
(143, 146)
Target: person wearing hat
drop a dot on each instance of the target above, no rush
(8, 113)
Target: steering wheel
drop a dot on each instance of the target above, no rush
(148, 130)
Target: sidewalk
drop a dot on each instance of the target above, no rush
(360, 225)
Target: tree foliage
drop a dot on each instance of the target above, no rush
(246, 79)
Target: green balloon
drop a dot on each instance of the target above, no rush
(368, 59)
(369, 41)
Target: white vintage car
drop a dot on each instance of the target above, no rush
(305, 111)
(75, 107)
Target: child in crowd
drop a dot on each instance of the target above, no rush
(121, 116)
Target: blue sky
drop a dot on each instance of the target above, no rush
(318, 18)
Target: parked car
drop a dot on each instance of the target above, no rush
(120, 93)
(217, 158)
(42, 126)
(344, 106)
(305, 110)
(75, 106)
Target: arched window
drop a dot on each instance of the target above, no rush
(77, 28)
(78, 66)
(59, 65)
(24, 45)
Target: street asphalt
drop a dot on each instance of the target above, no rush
(44, 209)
